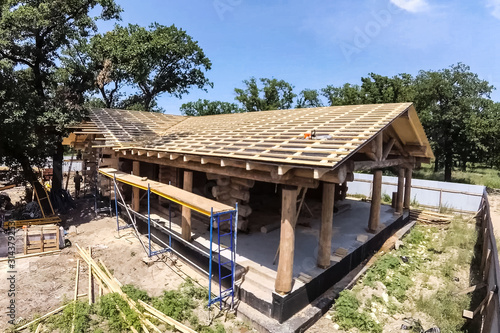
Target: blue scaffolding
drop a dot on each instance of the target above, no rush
(225, 218)
(231, 219)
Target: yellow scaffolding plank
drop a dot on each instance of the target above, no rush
(193, 201)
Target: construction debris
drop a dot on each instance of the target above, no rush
(429, 217)
(110, 284)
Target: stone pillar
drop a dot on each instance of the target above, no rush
(283, 283)
(401, 189)
(375, 203)
(407, 197)
(136, 169)
(186, 212)
(325, 233)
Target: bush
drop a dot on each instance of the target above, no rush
(347, 314)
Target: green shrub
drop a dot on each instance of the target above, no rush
(136, 293)
(347, 314)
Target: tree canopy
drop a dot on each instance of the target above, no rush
(204, 107)
(274, 95)
(38, 99)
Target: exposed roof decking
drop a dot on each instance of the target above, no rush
(265, 137)
(278, 136)
(128, 127)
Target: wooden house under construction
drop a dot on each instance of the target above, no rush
(288, 170)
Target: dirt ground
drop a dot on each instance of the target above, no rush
(42, 283)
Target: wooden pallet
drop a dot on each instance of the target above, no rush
(41, 239)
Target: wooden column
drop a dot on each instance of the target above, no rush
(375, 204)
(407, 198)
(325, 233)
(284, 277)
(135, 190)
(186, 212)
(401, 189)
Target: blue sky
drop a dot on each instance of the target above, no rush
(313, 43)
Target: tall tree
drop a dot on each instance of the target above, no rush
(37, 101)
(309, 98)
(345, 95)
(451, 104)
(204, 107)
(377, 89)
(274, 95)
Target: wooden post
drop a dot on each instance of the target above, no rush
(325, 233)
(375, 204)
(283, 284)
(136, 168)
(186, 212)
(401, 189)
(407, 198)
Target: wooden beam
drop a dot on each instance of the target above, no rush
(136, 201)
(186, 212)
(400, 193)
(318, 173)
(379, 146)
(416, 150)
(249, 166)
(141, 152)
(162, 155)
(388, 147)
(151, 153)
(370, 165)
(407, 197)
(263, 176)
(374, 220)
(174, 156)
(283, 283)
(325, 233)
(283, 169)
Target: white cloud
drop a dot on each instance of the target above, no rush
(414, 6)
(495, 7)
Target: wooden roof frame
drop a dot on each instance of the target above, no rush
(396, 139)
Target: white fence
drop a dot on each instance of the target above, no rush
(428, 193)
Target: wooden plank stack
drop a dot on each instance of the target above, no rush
(430, 217)
(230, 190)
(109, 284)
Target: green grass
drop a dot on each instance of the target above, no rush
(433, 257)
(474, 175)
(104, 316)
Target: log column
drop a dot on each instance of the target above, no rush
(407, 198)
(401, 189)
(325, 233)
(375, 204)
(186, 212)
(283, 284)
(136, 168)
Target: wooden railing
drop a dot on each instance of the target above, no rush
(489, 309)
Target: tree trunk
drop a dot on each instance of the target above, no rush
(28, 173)
(57, 173)
(436, 164)
(448, 166)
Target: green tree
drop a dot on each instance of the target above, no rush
(204, 107)
(377, 89)
(37, 97)
(161, 60)
(309, 98)
(274, 95)
(453, 104)
(345, 95)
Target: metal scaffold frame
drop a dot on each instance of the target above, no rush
(220, 218)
